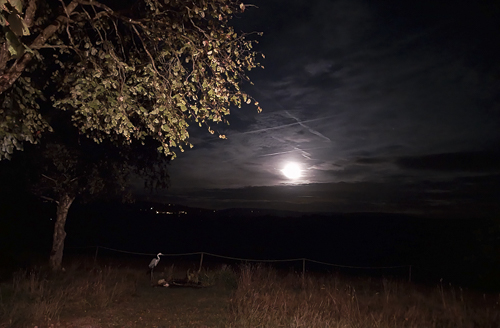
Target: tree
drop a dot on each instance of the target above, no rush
(125, 71)
(65, 167)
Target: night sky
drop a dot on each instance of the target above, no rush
(386, 106)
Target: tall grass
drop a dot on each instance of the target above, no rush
(259, 297)
(265, 298)
(38, 298)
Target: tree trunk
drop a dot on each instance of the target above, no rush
(56, 254)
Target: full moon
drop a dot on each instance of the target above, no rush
(292, 171)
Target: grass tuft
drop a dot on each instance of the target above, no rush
(265, 298)
(36, 297)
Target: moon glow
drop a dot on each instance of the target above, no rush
(292, 171)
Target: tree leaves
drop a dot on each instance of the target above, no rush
(20, 119)
(145, 72)
(13, 26)
(17, 25)
(15, 4)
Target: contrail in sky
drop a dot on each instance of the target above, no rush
(301, 123)
(287, 125)
(304, 153)
(290, 151)
(306, 127)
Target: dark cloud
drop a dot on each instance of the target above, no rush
(478, 161)
(371, 160)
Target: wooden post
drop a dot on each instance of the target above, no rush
(201, 262)
(303, 272)
(409, 275)
(96, 252)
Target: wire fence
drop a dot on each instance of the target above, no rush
(301, 259)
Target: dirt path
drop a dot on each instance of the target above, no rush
(161, 307)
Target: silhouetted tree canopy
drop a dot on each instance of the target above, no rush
(65, 167)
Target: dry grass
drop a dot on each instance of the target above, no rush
(254, 296)
(41, 298)
(266, 299)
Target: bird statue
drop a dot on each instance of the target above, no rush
(153, 264)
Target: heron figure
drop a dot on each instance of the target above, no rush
(153, 264)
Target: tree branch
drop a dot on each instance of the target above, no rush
(67, 23)
(49, 178)
(50, 199)
(9, 76)
(4, 55)
(30, 13)
(111, 12)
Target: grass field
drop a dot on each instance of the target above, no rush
(90, 296)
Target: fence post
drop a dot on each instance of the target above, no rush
(303, 271)
(96, 251)
(409, 275)
(201, 262)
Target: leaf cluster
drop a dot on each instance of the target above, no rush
(124, 73)
(20, 117)
(13, 26)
